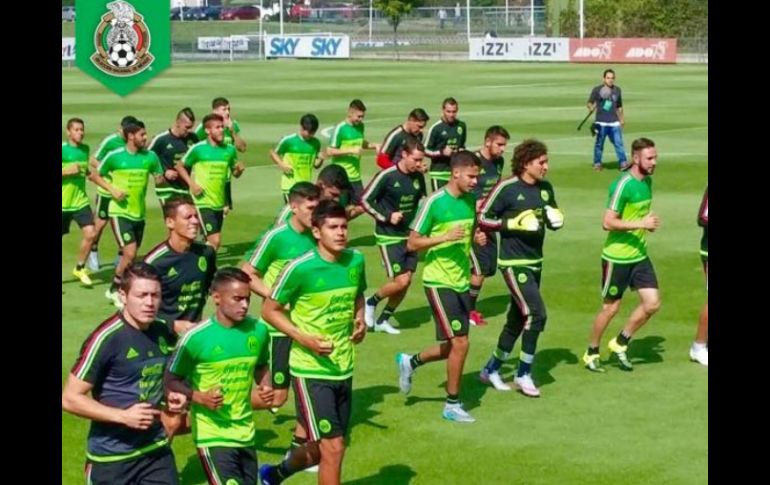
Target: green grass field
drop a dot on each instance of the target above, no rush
(649, 426)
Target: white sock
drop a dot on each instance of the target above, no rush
(698, 346)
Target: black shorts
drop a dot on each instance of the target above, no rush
(103, 206)
(165, 193)
(450, 311)
(616, 277)
(280, 347)
(83, 216)
(229, 194)
(484, 258)
(437, 183)
(356, 191)
(396, 259)
(229, 466)
(154, 468)
(127, 231)
(323, 406)
(523, 283)
(211, 220)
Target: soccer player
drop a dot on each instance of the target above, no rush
(390, 150)
(121, 366)
(325, 292)
(128, 169)
(221, 358)
(74, 200)
(444, 225)
(484, 258)
(211, 162)
(333, 184)
(297, 154)
(607, 100)
(272, 251)
(699, 351)
(345, 146)
(170, 146)
(392, 198)
(444, 137)
(521, 208)
(111, 142)
(186, 267)
(625, 263)
(232, 136)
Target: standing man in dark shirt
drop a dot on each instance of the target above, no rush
(186, 267)
(484, 258)
(392, 199)
(389, 152)
(521, 208)
(607, 101)
(444, 137)
(170, 146)
(117, 383)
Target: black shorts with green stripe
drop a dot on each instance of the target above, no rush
(439, 179)
(323, 406)
(616, 277)
(396, 259)
(450, 311)
(165, 193)
(83, 216)
(157, 467)
(280, 348)
(484, 258)
(103, 206)
(127, 231)
(211, 220)
(229, 466)
(523, 283)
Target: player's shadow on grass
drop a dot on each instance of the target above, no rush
(361, 241)
(646, 350)
(391, 474)
(496, 305)
(472, 390)
(363, 400)
(232, 254)
(413, 317)
(548, 359)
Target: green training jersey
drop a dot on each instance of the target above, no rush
(299, 154)
(229, 139)
(276, 247)
(212, 355)
(109, 143)
(345, 136)
(322, 297)
(129, 173)
(211, 167)
(73, 187)
(631, 199)
(447, 265)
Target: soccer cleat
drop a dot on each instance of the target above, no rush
(598, 167)
(369, 316)
(386, 327)
(82, 275)
(700, 356)
(456, 413)
(311, 469)
(114, 298)
(526, 386)
(92, 263)
(620, 353)
(476, 319)
(405, 372)
(494, 379)
(593, 362)
(264, 475)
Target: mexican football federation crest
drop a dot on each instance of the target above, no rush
(122, 41)
(125, 42)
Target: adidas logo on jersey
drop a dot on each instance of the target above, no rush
(172, 272)
(520, 197)
(132, 353)
(397, 184)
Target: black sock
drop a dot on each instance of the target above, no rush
(415, 361)
(386, 314)
(474, 292)
(95, 246)
(593, 350)
(373, 300)
(452, 398)
(622, 339)
(80, 266)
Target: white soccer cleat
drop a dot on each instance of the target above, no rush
(369, 316)
(114, 298)
(700, 355)
(405, 372)
(386, 327)
(526, 386)
(494, 379)
(92, 263)
(456, 413)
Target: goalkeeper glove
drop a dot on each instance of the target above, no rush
(525, 221)
(554, 216)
